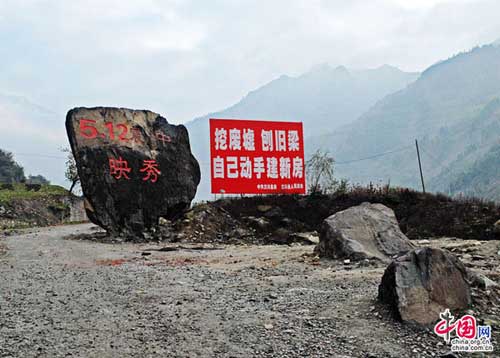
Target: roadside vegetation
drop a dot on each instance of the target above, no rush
(21, 191)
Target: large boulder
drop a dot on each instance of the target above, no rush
(133, 165)
(366, 231)
(423, 283)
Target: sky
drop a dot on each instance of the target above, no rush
(186, 58)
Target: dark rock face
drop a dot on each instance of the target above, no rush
(423, 283)
(134, 167)
(366, 231)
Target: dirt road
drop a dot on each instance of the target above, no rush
(68, 298)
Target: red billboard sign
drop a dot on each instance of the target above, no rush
(256, 157)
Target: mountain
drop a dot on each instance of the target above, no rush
(453, 109)
(324, 98)
(34, 134)
(482, 178)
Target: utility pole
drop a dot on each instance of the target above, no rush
(420, 166)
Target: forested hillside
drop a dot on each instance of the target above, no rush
(453, 109)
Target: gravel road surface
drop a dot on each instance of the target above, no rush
(69, 298)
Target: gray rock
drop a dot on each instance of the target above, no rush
(423, 283)
(261, 224)
(496, 228)
(264, 208)
(306, 238)
(274, 213)
(477, 279)
(163, 222)
(134, 167)
(363, 232)
(281, 236)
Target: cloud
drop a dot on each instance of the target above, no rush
(425, 4)
(185, 58)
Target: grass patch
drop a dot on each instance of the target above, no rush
(20, 192)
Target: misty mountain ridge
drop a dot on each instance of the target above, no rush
(453, 109)
(323, 98)
(35, 135)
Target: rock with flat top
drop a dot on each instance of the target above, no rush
(366, 231)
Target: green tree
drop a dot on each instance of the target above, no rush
(10, 171)
(71, 173)
(37, 179)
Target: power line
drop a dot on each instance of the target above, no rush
(376, 155)
(37, 155)
(356, 160)
(208, 163)
(431, 156)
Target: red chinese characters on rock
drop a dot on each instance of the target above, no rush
(117, 131)
(110, 131)
(151, 169)
(119, 169)
(256, 157)
(89, 131)
(162, 137)
(137, 136)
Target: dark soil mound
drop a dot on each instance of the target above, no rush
(289, 219)
(420, 215)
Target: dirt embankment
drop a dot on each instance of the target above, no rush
(420, 216)
(297, 219)
(23, 207)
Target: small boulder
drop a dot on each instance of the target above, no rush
(423, 283)
(283, 236)
(274, 213)
(264, 208)
(496, 228)
(477, 279)
(280, 236)
(261, 224)
(361, 232)
(305, 238)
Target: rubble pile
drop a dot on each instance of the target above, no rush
(209, 223)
